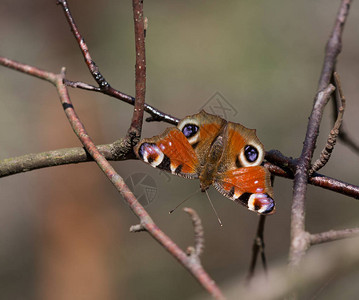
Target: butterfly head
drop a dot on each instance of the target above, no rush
(204, 184)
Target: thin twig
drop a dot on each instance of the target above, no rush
(343, 136)
(332, 138)
(333, 235)
(155, 114)
(104, 85)
(198, 232)
(319, 180)
(258, 247)
(334, 45)
(94, 70)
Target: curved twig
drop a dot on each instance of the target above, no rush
(332, 138)
(197, 250)
(104, 85)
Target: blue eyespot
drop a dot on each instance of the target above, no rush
(190, 130)
(250, 153)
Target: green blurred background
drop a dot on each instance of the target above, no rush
(64, 231)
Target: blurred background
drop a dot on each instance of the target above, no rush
(64, 231)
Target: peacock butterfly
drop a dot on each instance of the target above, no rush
(224, 154)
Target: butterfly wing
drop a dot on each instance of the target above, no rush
(182, 150)
(169, 152)
(240, 176)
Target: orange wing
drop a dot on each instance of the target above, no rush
(249, 186)
(240, 176)
(170, 152)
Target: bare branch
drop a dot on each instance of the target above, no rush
(282, 166)
(299, 240)
(120, 150)
(333, 235)
(104, 85)
(94, 70)
(140, 71)
(334, 45)
(197, 271)
(316, 267)
(146, 221)
(258, 247)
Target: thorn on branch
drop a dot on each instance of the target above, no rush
(137, 228)
(146, 26)
(81, 85)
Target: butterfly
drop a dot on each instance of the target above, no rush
(224, 154)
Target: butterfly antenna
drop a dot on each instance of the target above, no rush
(189, 196)
(219, 220)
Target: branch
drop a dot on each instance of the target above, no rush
(316, 179)
(57, 80)
(258, 247)
(299, 238)
(299, 241)
(316, 267)
(121, 150)
(104, 85)
(333, 235)
(140, 71)
(334, 45)
(197, 271)
(343, 135)
(197, 250)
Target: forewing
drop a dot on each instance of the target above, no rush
(169, 152)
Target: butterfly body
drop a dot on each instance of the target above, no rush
(224, 154)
